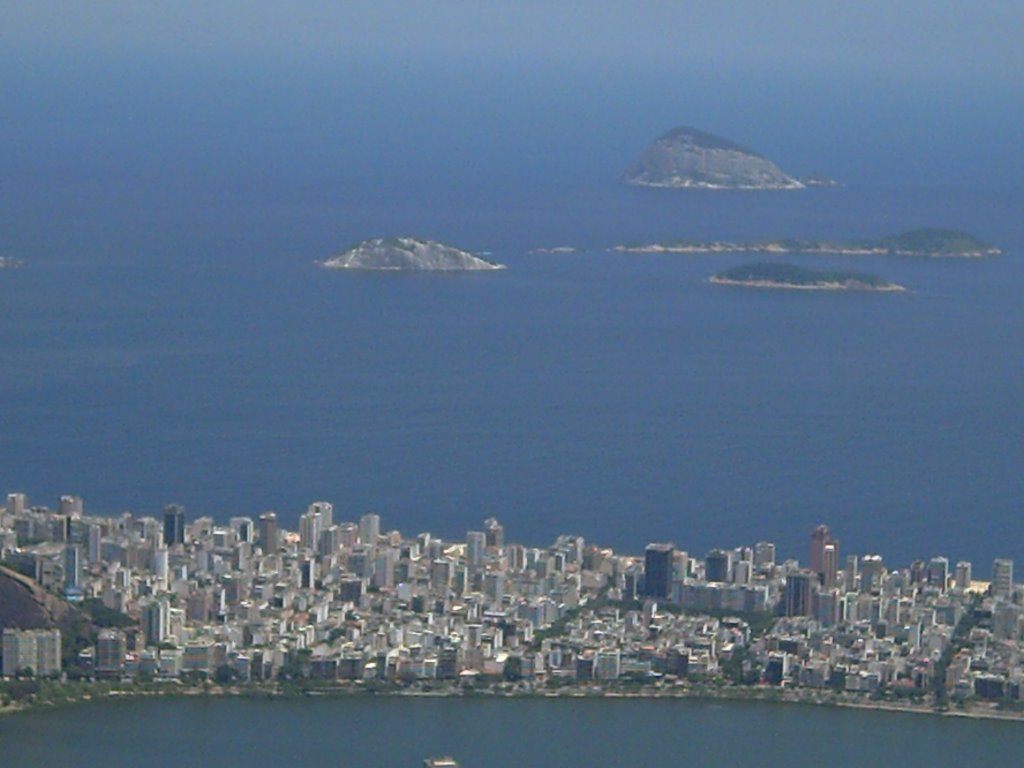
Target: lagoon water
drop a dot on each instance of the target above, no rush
(494, 733)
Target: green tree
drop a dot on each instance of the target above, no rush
(513, 669)
(225, 675)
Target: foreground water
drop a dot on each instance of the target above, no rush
(495, 733)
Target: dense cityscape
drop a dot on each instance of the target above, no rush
(351, 605)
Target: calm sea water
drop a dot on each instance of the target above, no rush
(496, 733)
(172, 339)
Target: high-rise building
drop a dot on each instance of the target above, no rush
(330, 541)
(349, 533)
(162, 565)
(269, 535)
(326, 511)
(156, 618)
(19, 652)
(38, 650)
(476, 543)
(938, 572)
(16, 503)
(851, 573)
(742, 572)
(110, 651)
(963, 575)
(95, 543)
(830, 564)
(72, 567)
(309, 529)
(918, 572)
(369, 529)
(307, 573)
(48, 652)
(801, 588)
(243, 528)
(764, 554)
(72, 506)
(819, 538)
(441, 573)
(1002, 578)
(718, 565)
(174, 525)
(495, 533)
(827, 607)
(658, 570)
(384, 562)
(872, 571)
(824, 562)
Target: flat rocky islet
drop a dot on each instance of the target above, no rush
(686, 157)
(930, 242)
(408, 254)
(773, 275)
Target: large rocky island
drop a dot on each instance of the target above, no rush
(792, 277)
(930, 242)
(687, 157)
(408, 254)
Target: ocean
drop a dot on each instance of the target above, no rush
(172, 339)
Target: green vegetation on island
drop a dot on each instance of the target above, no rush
(931, 242)
(934, 241)
(775, 275)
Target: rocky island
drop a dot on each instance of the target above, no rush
(792, 277)
(929, 242)
(686, 157)
(408, 254)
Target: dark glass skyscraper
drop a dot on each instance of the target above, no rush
(801, 588)
(658, 570)
(269, 537)
(174, 525)
(717, 565)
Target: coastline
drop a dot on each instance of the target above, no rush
(696, 693)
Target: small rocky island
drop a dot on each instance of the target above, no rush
(686, 157)
(929, 242)
(408, 254)
(792, 277)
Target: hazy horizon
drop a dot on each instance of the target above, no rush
(965, 40)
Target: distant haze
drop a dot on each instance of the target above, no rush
(963, 40)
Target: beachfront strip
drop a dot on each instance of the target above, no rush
(351, 604)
